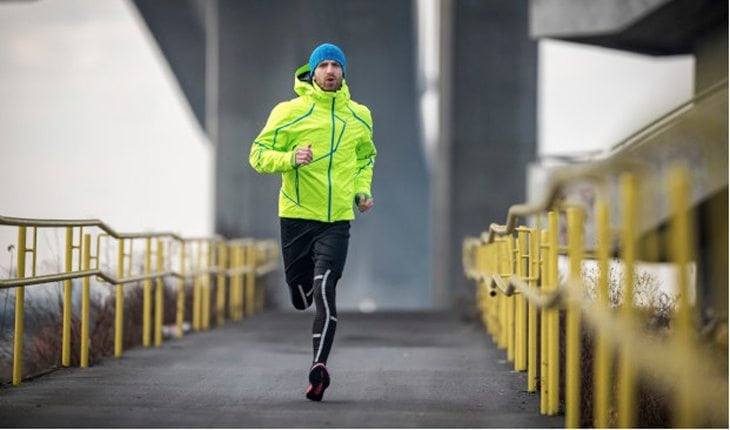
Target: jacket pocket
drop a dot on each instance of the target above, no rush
(290, 186)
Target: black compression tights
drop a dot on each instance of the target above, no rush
(325, 320)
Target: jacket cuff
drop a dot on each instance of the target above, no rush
(357, 197)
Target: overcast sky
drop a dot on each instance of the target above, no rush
(93, 122)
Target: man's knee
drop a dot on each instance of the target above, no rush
(301, 294)
(326, 275)
(324, 285)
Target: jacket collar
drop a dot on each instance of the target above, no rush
(306, 87)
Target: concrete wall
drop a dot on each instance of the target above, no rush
(711, 56)
(571, 18)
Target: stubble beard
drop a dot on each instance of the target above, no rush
(330, 87)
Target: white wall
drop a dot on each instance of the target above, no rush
(93, 124)
(591, 98)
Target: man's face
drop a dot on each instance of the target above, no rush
(328, 75)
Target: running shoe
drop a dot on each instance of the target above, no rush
(319, 380)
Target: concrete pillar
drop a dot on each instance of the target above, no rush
(489, 78)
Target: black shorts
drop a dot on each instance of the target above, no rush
(311, 247)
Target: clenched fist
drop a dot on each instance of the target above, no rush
(364, 203)
(303, 156)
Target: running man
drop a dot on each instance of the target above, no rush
(322, 144)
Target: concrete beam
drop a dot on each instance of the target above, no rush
(653, 27)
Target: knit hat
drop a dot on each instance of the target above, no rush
(326, 51)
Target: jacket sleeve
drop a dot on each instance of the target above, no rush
(270, 150)
(366, 153)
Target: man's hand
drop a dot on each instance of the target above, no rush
(303, 156)
(364, 203)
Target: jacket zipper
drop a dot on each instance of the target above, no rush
(296, 184)
(329, 170)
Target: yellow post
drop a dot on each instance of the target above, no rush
(627, 411)
(221, 285)
(147, 295)
(533, 263)
(243, 296)
(553, 318)
(501, 307)
(484, 256)
(602, 362)
(520, 303)
(496, 301)
(509, 300)
(85, 303)
(251, 279)
(67, 301)
(33, 251)
(180, 315)
(159, 290)
(119, 312)
(19, 311)
(241, 292)
(233, 264)
(497, 307)
(206, 287)
(483, 259)
(682, 244)
(196, 286)
(573, 323)
(544, 377)
(259, 292)
(241, 263)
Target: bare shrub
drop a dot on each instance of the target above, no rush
(655, 309)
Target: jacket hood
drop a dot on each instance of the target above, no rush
(305, 86)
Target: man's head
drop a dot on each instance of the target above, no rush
(327, 64)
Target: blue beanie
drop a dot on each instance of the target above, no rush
(326, 51)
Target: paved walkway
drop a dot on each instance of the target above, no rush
(388, 369)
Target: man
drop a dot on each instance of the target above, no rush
(322, 144)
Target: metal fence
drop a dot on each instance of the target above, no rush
(235, 264)
(531, 309)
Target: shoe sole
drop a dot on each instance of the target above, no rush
(319, 380)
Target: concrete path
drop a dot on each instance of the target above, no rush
(411, 369)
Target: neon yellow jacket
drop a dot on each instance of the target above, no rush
(341, 134)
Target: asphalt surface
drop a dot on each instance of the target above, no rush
(410, 369)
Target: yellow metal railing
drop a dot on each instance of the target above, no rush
(678, 363)
(235, 263)
(517, 266)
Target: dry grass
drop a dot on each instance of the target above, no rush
(656, 308)
(44, 322)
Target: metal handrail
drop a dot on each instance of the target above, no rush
(238, 263)
(702, 387)
(32, 222)
(621, 333)
(665, 120)
(705, 386)
(596, 169)
(44, 279)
